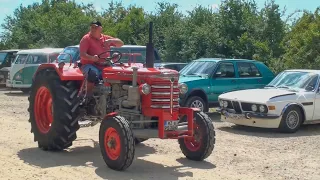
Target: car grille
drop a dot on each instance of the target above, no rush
(246, 106)
(164, 96)
(236, 106)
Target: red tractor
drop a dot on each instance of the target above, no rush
(132, 104)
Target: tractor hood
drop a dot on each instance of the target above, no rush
(125, 73)
(185, 79)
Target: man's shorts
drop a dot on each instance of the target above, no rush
(85, 69)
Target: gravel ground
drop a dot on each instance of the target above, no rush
(240, 153)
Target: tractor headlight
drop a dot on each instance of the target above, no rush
(183, 88)
(145, 88)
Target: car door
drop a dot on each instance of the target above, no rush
(224, 80)
(249, 76)
(31, 66)
(17, 69)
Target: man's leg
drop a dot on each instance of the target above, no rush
(92, 73)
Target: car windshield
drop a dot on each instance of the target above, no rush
(64, 57)
(295, 80)
(3, 57)
(198, 68)
(136, 55)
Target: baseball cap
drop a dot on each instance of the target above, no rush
(97, 23)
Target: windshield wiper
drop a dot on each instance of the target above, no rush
(269, 86)
(286, 87)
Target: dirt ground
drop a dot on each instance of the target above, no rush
(240, 153)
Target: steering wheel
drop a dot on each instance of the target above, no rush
(110, 58)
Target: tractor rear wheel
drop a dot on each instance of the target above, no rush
(53, 109)
(201, 145)
(116, 142)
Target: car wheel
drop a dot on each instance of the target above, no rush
(197, 102)
(291, 120)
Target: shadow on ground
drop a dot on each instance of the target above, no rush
(305, 130)
(16, 93)
(91, 157)
(9, 89)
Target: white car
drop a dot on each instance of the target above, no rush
(292, 98)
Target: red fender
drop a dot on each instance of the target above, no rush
(110, 115)
(66, 72)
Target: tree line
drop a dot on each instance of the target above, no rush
(238, 29)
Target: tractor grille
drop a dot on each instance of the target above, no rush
(164, 96)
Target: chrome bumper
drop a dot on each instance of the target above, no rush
(8, 83)
(250, 119)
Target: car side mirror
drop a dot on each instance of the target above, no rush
(216, 75)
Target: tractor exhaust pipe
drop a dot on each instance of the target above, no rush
(150, 49)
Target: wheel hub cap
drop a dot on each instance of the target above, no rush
(197, 104)
(43, 109)
(194, 143)
(112, 143)
(292, 119)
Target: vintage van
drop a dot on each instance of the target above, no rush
(25, 65)
(6, 59)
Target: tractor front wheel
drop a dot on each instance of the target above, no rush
(201, 145)
(116, 142)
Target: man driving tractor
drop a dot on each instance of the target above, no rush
(91, 45)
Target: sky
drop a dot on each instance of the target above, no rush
(8, 6)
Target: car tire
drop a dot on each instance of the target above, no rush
(291, 120)
(197, 100)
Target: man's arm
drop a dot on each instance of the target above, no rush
(83, 48)
(113, 42)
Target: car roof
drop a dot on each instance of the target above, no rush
(41, 51)
(304, 70)
(223, 59)
(124, 46)
(169, 63)
(73, 46)
(10, 50)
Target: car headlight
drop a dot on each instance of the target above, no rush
(225, 104)
(221, 103)
(254, 107)
(183, 88)
(262, 108)
(145, 88)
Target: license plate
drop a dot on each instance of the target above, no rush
(234, 116)
(171, 125)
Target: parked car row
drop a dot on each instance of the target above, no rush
(246, 92)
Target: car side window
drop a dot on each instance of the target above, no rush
(248, 70)
(21, 58)
(37, 59)
(312, 83)
(171, 66)
(225, 70)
